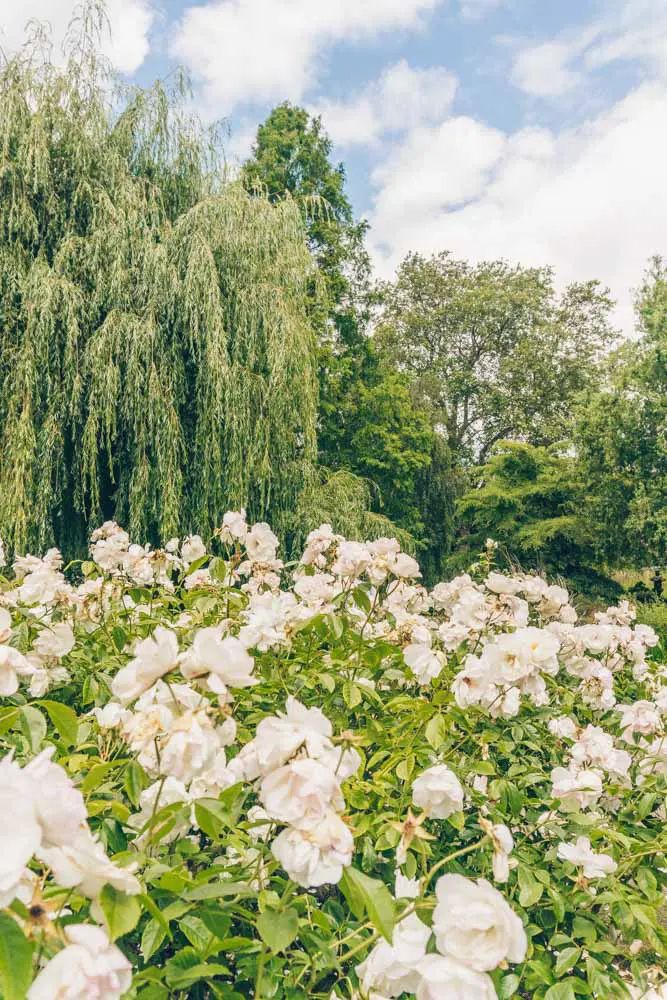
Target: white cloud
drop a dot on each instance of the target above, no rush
(630, 30)
(589, 201)
(545, 70)
(130, 22)
(267, 50)
(401, 98)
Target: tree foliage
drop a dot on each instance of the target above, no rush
(156, 360)
(530, 501)
(622, 438)
(492, 349)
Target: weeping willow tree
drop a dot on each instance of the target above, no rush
(156, 362)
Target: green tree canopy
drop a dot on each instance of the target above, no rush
(622, 438)
(368, 423)
(531, 500)
(492, 349)
(156, 360)
(292, 156)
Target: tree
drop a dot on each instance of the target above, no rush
(622, 438)
(156, 360)
(491, 349)
(292, 155)
(532, 501)
(368, 423)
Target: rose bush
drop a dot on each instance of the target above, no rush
(224, 776)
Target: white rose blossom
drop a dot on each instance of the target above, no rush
(438, 792)
(443, 978)
(581, 854)
(474, 924)
(88, 968)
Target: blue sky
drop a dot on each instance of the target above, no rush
(532, 130)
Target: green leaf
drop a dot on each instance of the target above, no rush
(213, 890)
(119, 638)
(8, 716)
(134, 782)
(151, 939)
(436, 731)
(217, 921)
(567, 959)
(373, 896)
(178, 980)
(99, 772)
(361, 599)
(121, 911)
(278, 928)
(351, 694)
(15, 960)
(64, 719)
(530, 889)
(33, 726)
(561, 991)
(508, 986)
(215, 815)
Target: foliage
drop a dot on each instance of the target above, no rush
(292, 157)
(368, 423)
(156, 362)
(492, 349)
(345, 501)
(531, 500)
(622, 438)
(444, 740)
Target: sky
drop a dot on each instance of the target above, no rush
(532, 130)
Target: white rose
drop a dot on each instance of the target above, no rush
(443, 978)
(192, 549)
(61, 810)
(88, 968)
(190, 747)
(474, 924)
(575, 789)
(315, 856)
(234, 526)
(405, 566)
(20, 838)
(261, 544)
(301, 793)
(391, 969)
(111, 716)
(5, 624)
(12, 666)
(580, 854)
(55, 640)
(498, 583)
(278, 737)
(83, 863)
(154, 657)
(227, 658)
(438, 792)
(563, 728)
(425, 663)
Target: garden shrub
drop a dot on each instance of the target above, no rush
(223, 776)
